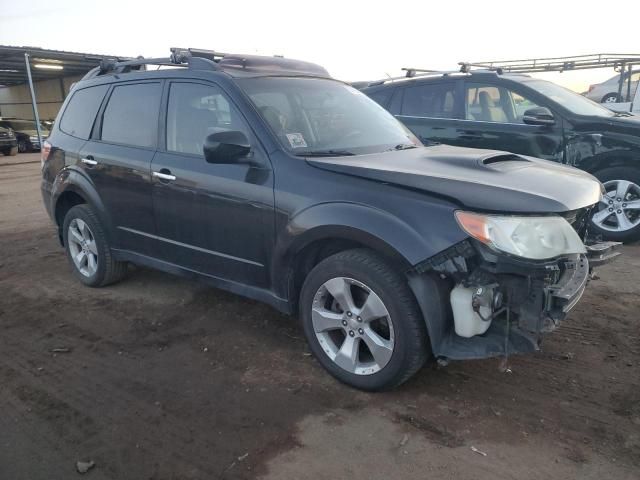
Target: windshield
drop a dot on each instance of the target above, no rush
(570, 100)
(325, 117)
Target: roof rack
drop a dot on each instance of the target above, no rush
(557, 64)
(194, 58)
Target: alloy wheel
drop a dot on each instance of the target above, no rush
(83, 248)
(353, 326)
(619, 209)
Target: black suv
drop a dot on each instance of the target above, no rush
(268, 178)
(8, 144)
(25, 132)
(528, 116)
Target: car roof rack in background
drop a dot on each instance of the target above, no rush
(618, 61)
(410, 73)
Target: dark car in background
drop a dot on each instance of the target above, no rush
(528, 116)
(8, 144)
(25, 132)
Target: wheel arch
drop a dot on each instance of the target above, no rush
(616, 158)
(327, 229)
(72, 188)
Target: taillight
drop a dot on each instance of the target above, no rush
(44, 152)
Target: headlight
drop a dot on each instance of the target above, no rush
(33, 138)
(537, 238)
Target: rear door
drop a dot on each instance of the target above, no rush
(429, 110)
(493, 116)
(215, 219)
(117, 158)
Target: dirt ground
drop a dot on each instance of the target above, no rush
(162, 378)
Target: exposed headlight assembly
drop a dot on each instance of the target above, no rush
(537, 238)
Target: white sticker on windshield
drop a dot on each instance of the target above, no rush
(296, 140)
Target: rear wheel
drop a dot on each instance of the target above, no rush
(88, 249)
(611, 98)
(362, 322)
(618, 214)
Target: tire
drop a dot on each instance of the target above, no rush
(104, 270)
(402, 331)
(12, 152)
(611, 98)
(604, 220)
(22, 146)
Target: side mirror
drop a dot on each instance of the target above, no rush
(538, 116)
(226, 147)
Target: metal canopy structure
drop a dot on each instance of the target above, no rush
(617, 61)
(620, 62)
(45, 64)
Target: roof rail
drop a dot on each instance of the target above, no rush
(410, 73)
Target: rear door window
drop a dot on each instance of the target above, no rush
(436, 100)
(131, 116)
(78, 117)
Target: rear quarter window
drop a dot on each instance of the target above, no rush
(381, 96)
(77, 119)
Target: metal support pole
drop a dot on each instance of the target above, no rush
(630, 69)
(34, 104)
(621, 82)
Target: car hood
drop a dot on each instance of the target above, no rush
(485, 180)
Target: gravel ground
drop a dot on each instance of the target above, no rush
(162, 378)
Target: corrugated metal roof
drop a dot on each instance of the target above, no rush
(45, 64)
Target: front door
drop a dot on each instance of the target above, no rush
(215, 219)
(493, 120)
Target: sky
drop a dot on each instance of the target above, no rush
(354, 40)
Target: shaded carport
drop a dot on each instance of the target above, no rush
(40, 79)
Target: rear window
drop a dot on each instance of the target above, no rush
(131, 116)
(78, 117)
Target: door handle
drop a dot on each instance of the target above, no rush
(164, 174)
(470, 135)
(88, 160)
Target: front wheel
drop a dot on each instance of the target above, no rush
(22, 146)
(618, 213)
(10, 152)
(362, 322)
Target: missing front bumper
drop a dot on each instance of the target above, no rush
(538, 296)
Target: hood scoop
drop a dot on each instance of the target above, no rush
(503, 157)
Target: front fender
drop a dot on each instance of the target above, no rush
(366, 225)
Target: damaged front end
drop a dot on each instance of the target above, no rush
(494, 303)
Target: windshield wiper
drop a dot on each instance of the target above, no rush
(325, 153)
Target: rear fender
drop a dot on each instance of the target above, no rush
(73, 180)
